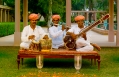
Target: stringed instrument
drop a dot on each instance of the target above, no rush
(70, 42)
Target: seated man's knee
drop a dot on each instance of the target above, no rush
(24, 45)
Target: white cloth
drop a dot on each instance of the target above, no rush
(57, 35)
(27, 31)
(81, 43)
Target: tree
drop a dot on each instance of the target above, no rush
(42, 7)
(48, 6)
(50, 13)
(78, 4)
(10, 3)
(103, 5)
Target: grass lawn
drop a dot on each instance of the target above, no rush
(58, 67)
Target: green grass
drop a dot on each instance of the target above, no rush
(58, 67)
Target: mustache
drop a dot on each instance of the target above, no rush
(34, 22)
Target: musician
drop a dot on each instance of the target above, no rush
(57, 32)
(82, 44)
(31, 32)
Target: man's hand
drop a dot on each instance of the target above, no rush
(31, 37)
(84, 36)
(46, 37)
(63, 27)
(73, 36)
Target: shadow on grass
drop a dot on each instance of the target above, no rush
(56, 63)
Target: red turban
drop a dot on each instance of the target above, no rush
(80, 17)
(56, 17)
(33, 16)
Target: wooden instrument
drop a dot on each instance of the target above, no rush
(70, 42)
(44, 44)
(35, 46)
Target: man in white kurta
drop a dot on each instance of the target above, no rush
(27, 31)
(57, 32)
(81, 42)
(31, 32)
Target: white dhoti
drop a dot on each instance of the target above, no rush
(25, 45)
(56, 46)
(83, 46)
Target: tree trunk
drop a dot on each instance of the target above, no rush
(50, 13)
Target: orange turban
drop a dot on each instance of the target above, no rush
(80, 17)
(56, 17)
(33, 16)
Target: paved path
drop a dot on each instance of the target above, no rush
(101, 40)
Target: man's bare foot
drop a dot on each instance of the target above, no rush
(96, 46)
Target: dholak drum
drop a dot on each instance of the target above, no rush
(69, 42)
(35, 46)
(70, 45)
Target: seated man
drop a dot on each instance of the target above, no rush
(82, 44)
(57, 32)
(31, 32)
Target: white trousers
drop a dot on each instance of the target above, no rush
(83, 46)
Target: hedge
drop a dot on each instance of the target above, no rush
(8, 28)
(41, 23)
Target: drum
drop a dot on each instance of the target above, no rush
(35, 46)
(46, 45)
(69, 42)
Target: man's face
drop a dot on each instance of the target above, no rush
(80, 22)
(33, 22)
(55, 21)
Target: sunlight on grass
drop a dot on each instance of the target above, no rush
(46, 74)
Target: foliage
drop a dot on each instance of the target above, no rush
(8, 28)
(59, 6)
(78, 4)
(42, 23)
(58, 67)
(103, 5)
(10, 3)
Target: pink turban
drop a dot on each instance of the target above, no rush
(80, 17)
(33, 16)
(56, 17)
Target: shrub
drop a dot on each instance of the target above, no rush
(8, 28)
(42, 23)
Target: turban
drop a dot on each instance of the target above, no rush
(80, 17)
(33, 16)
(56, 17)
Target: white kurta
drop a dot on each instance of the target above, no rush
(81, 43)
(27, 31)
(57, 35)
